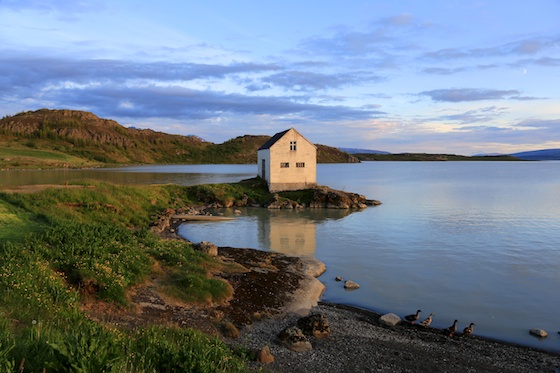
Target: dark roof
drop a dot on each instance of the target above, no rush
(272, 140)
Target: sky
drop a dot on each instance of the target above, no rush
(435, 76)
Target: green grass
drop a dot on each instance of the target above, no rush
(30, 158)
(59, 245)
(17, 223)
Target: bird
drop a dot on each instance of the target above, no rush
(452, 329)
(468, 330)
(427, 321)
(412, 318)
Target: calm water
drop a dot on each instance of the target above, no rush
(477, 242)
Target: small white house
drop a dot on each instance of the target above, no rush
(288, 161)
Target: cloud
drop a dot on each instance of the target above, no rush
(63, 8)
(304, 81)
(519, 47)
(469, 94)
(23, 71)
(484, 115)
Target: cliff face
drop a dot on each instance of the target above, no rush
(85, 135)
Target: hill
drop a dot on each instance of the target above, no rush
(362, 151)
(539, 155)
(70, 138)
(431, 157)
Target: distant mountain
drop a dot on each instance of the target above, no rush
(362, 151)
(539, 155)
(69, 138)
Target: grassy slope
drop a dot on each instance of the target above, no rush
(57, 241)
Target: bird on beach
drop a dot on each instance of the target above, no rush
(412, 318)
(452, 329)
(427, 321)
(468, 330)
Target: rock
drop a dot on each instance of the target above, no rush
(338, 278)
(316, 325)
(389, 319)
(349, 284)
(207, 248)
(294, 339)
(264, 356)
(538, 333)
(230, 331)
(237, 212)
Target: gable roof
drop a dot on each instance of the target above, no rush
(273, 139)
(278, 136)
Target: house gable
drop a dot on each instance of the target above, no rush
(288, 161)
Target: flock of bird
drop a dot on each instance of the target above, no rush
(450, 331)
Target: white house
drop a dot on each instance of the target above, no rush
(288, 161)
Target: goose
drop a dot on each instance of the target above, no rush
(412, 318)
(426, 322)
(468, 330)
(452, 329)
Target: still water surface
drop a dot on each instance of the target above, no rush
(473, 241)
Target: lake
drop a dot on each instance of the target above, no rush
(473, 241)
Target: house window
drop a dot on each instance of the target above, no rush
(300, 164)
(293, 145)
(284, 165)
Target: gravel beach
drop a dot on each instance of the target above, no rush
(358, 343)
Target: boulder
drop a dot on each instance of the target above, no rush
(230, 331)
(207, 248)
(389, 319)
(349, 284)
(316, 325)
(538, 333)
(294, 339)
(264, 356)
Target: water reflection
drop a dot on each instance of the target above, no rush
(167, 174)
(292, 232)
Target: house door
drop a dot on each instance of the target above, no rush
(263, 168)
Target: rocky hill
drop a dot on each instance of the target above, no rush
(77, 138)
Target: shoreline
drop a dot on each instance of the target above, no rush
(357, 336)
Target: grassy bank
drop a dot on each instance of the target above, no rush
(62, 246)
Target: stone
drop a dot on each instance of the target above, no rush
(230, 331)
(316, 325)
(264, 356)
(207, 248)
(338, 278)
(389, 319)
(294, 339)
(349, 284)
(538, 333)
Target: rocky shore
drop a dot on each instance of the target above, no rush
(275, 291)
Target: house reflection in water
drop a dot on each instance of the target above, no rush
(293, 232)
(287, 234)
(290, 232)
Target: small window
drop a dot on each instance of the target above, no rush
(293, 145)
(285, 165)
(300, 164)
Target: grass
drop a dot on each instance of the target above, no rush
(17, 223)
(59, 245)
(27, 157)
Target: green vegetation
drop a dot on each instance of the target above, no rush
(62, 246)
(76, 139)
(432, 157)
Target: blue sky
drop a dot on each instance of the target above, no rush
(449, 76)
